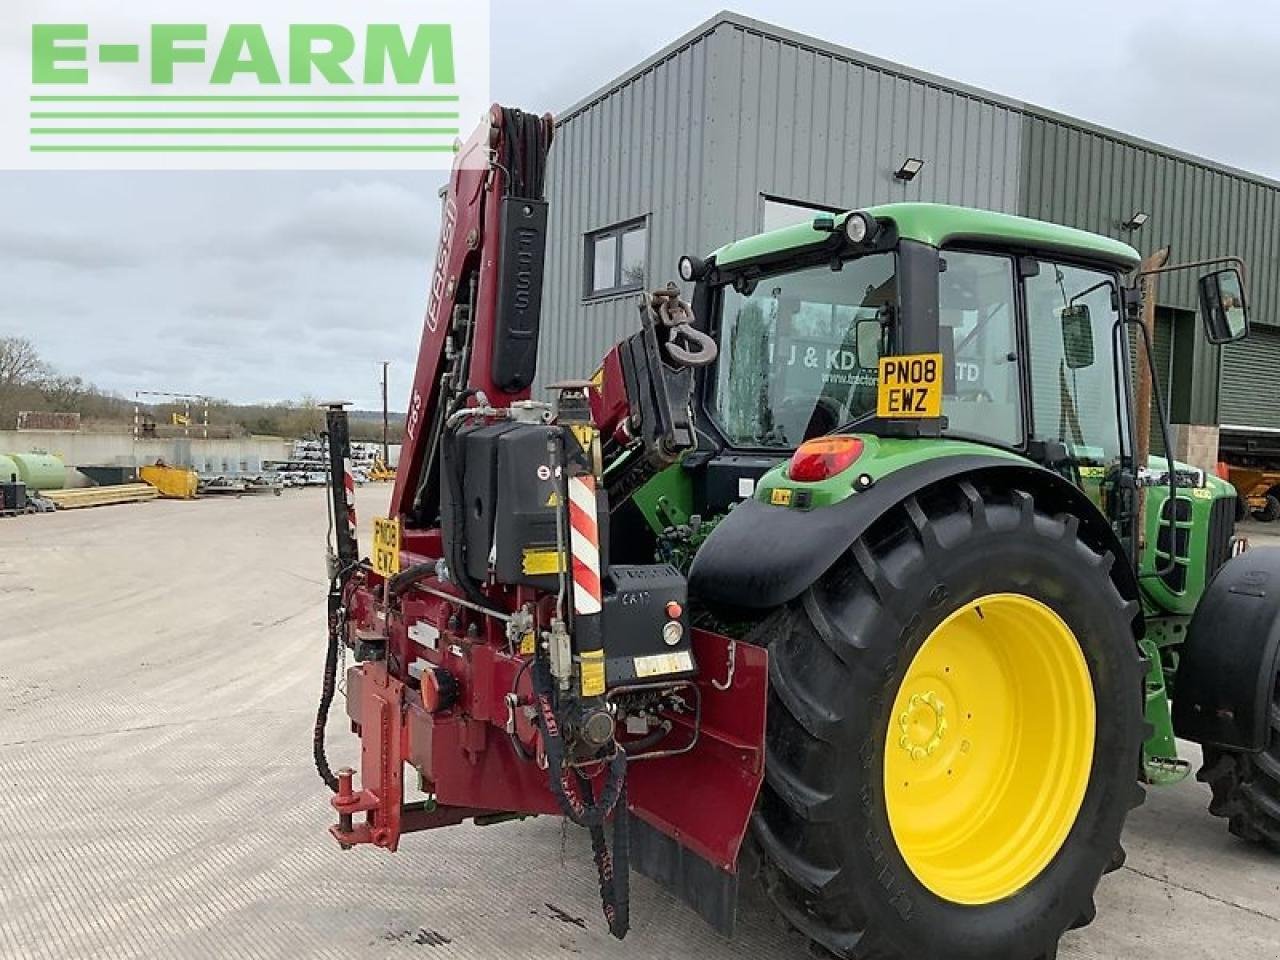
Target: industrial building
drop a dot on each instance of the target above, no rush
(740, 126)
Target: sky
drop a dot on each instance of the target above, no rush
(257, 286)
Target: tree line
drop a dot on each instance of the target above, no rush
(27, 382)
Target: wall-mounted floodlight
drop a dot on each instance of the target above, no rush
(910, 167)
(1136, 221)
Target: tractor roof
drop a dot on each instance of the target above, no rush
(938, 224)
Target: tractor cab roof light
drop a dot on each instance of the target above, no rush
(692, 268)
(860, 227)
(823, 457)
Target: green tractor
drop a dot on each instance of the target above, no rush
(919, 483)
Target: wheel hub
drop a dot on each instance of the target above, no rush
(989, 748)
(923, 725)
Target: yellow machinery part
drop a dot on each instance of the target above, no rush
(989, 748)
(175, 483)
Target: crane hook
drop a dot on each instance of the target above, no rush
(676, 315)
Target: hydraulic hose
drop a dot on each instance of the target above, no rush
(407, 577)
(326, 700)
(578, 802)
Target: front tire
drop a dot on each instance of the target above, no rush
(844, 655)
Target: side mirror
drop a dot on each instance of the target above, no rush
(1077, 336)
(1226, 318)
(868, 344)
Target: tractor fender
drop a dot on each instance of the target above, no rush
(761, 556)
(1229, 660)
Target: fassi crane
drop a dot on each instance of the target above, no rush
(499, 651)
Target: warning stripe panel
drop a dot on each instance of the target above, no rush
(584, 550)
(582, 493)
(586, 589)
(584, 544)
(583, 523)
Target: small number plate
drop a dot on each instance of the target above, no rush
(386, 546)
(910, 386)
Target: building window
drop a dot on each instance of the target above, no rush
(615, 259)
(787, 213)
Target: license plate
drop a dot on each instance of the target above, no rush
(386, 546)
(910, 386)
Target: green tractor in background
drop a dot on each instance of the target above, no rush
(988, 613)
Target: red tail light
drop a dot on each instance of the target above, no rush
(823, 457)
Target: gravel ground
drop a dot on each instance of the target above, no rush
(159, 666)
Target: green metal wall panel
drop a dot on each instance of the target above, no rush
(1084, 177)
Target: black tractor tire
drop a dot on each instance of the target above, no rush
(1269, 513)
(1246, 786)
(838, 654)
(1242, 509)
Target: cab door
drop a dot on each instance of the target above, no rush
(1079, 406)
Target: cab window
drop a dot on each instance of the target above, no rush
(981, 395)
(799, 351)
(1071, 316)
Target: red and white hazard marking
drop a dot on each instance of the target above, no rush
(584, 544)
(349, 487)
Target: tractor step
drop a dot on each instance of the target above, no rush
(1165, 771)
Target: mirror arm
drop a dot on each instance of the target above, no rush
(1236, 262)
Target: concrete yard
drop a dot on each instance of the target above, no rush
(159, 669)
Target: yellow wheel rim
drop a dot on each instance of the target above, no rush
(989, 748)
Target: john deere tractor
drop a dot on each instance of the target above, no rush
(854, 574)
(917, 485)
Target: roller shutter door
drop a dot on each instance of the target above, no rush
(1248, 395)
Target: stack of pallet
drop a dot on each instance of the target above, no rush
(76, 498)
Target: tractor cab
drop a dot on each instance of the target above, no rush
(925, 320)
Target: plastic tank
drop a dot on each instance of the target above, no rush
(8, 469)
(40, 471)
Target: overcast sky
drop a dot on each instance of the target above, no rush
(267, 286)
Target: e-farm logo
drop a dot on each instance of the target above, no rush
(361, 86)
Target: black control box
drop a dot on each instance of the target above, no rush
(722, 481)
(511, 495)
(641, 605)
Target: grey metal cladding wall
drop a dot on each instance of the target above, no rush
(1086, 178)
(693, 139)
(805, 123)
(637, 151)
